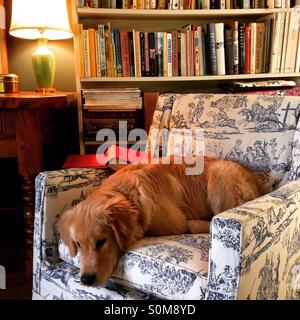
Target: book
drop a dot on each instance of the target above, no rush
(102, 49)
(241, 33)
(152, 54)
(253, 47)
(161, 4)
(98, 62)
(219, 29)
(183, 66)
(137, 53)
(80, 48)
(118, 53)
(228, 50)
(212, 49)
(92, 52)
(280, 42)
(260, 32)
(85, 41)
(108, 51)
(142, 47)
(235, 36)
(165, 54)
(206, 4)
(284, 45)
(204, 48)
(114, 56)
(247, 49)
(160, 65)
(146, 53)
(293, 36)
(125, 53)
(169, 54)
(201, 51)
(275, 43)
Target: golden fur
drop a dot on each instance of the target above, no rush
(150, 199)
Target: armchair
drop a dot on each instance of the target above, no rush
(251, 252)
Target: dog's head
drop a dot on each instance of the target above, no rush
(101, 228)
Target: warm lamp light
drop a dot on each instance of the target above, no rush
(42, 20)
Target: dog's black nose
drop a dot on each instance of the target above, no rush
(88, 279)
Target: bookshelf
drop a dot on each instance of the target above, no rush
(159, 20)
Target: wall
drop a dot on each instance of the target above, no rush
(19, 59)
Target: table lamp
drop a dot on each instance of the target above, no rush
(41, 20)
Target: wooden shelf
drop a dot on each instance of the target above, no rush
(126, 14)
(193, 78)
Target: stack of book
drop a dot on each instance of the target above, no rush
(263, 46)
(105, 108)
(184, 4)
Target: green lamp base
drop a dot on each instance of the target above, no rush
(43, 62)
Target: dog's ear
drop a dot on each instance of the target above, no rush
(63, 227)
(122, 217)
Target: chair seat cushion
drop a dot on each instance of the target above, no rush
(172, 267)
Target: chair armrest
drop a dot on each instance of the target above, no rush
(56, 191)
(255, 248)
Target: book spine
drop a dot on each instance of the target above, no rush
(280, 43)
(204, 48)
(131, 53)
(270, 4)
(113, 4)
(152, 4)
(246, 4)
(174, 50)
(260, 32)
(235, 35)
(175, 4)
(219, 27)
(92, 51)
(139, 4)
(196, 58)
(152, 54)
(247, 48)
(266, 45)
(102, 50)
(200, 53)
(169, 46)
(125, 53)
(222, 4)
(98, 61)
(87, 66)
(114, 56)
(183, 54)
(108, 53)
(165, 54)
(213, 4)
(275, 44)
(126, 4)
(142, 53)
(212, 48)
(285, 37)
(161, 4)
(118, 53)
(147, 60)
(160, 39)
(137, 53)
(294, 39)
(277, 3)
(80, 48)
(206, 4)
(242, 48)
(80, 3)
(253, 47)
(229, 50)
(105, 3)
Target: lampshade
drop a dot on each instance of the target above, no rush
(33, 19)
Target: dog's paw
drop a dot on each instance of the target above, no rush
(198, 226)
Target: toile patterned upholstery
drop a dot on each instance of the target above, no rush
(252, 252)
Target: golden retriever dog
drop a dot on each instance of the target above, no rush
(150, 200)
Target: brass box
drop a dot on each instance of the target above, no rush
(9, 83)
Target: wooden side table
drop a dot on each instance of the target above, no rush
(28, 131)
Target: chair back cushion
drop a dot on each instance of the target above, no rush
(254, 130)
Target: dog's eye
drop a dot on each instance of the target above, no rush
(100, 243)
(78, 244)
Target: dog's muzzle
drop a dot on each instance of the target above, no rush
(88, 279)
